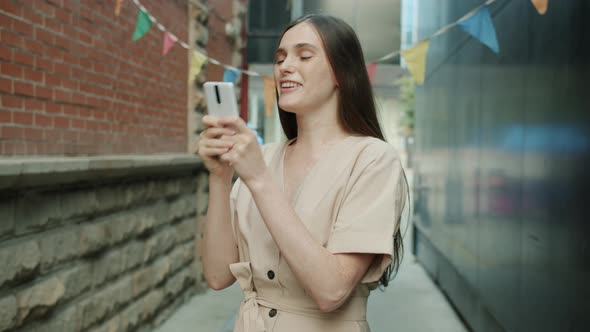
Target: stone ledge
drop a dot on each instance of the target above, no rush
(42, 171)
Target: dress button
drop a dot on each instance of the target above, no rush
(272, 312)
(270, 274)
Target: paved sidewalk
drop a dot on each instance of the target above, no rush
(411, 303)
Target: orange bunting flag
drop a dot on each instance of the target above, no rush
(269, 95)
(541, 5)
(168, 43)
(197, 61)
(415, 58)
(118, 7)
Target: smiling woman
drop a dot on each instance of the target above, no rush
(312, 224)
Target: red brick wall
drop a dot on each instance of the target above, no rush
(72, 82)
(219, 47)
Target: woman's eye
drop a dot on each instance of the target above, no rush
(279, 61)
(305, 57)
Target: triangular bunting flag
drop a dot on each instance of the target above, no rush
(481, 27)
(541, 6)
(168, 43)
(269, 95)
(197, 61)
(415, 58)
(143, 25)
(371, 67)
(230, 75)
(118, 7)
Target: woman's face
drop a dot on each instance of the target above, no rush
(302, 72)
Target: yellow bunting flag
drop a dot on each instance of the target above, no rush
(541, 5)
(269, 95)
(197, 62)
(415, 58)
(118, 7)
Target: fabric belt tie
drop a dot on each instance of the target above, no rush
(248, 319)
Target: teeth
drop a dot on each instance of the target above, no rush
(289, 85)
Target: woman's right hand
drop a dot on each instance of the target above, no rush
(212, 144)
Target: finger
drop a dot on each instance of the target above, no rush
(216, 132)
(234, 122)
(210, 121)
(212, 152)
(217, 143)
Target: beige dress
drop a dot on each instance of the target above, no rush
(351, 201)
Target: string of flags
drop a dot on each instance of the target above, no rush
(477, 22)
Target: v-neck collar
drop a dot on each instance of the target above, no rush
(311, 171)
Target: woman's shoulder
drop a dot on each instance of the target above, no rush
(372, 148)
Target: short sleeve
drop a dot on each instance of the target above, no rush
(371, 210)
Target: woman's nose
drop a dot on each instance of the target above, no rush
(286, 65)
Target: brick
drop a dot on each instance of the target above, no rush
(23, 57)
(25, 118)
(23, 88)
(11, 38)
(11, 101)
(42, 92)
(34, 75)
(19, 261)
(6, 85)
(5, 53)
(42, 120)
(57, 247)
(35, 301)
(33, 134)
(8, 313)
(12, 70)
(22, 27)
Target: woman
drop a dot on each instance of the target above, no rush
(312, 224)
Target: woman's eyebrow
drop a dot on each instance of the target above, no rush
(298, 46)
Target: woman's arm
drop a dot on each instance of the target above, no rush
(328, 278)
(219, 246)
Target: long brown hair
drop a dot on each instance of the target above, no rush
(356, 105)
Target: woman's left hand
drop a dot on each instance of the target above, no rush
(245, 156)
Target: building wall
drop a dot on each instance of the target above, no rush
(98, 243)
(501, 180)
(72, 81)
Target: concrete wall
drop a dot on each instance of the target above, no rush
(98, 243)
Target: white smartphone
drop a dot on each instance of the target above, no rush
(221, 99)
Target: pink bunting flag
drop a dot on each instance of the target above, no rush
(168, 43)
(371, 67)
